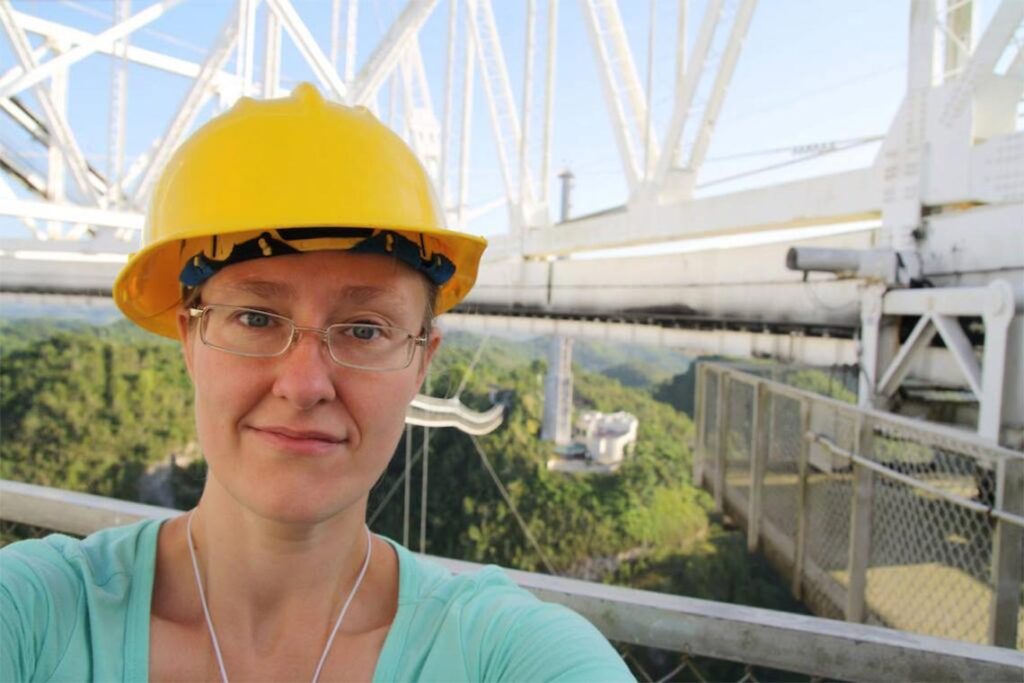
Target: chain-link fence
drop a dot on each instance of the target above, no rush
(882, 519)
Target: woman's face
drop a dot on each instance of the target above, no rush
(297, 437)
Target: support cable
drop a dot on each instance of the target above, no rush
(512, 506)
(809, 157)
(425, 481)
(405, 477)
(424, 489)
(469, 371)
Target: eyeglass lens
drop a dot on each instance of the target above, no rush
(257, 333)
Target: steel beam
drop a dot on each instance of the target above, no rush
(544, 184)
(134, 54)
(524, 139)
(466, 138)
(501, 104)
(16, 165)
(41, 72)
(118, 107)
(308, 47)
(720, 87)
(962, 351)
(824, 351)
(449, 103)
(950, 301)
(272, 57)
(387, 53)
(838, 198)
(71, 213)
(606, 61)
(59, 127)
(921, 336)
(190, 106)
(685, 90)
(998, 34)
(7, 194)
(246, 55)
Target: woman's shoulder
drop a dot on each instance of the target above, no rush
(50, 588)
(493, 628)
(425, 579)
(97, 559)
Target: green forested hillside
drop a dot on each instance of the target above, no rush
(86, 410)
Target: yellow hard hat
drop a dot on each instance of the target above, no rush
(283, 176)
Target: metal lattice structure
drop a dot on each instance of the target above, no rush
(944, 192)
(875, 518)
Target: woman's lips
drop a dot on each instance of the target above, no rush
(299, 441)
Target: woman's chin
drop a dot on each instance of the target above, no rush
(305, 510)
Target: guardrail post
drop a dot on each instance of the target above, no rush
(758, 456)
(860, 529)
(800, 551)
(722, 417)
(1007, 572)
(699, 418)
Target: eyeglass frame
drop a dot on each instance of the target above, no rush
(322, 332)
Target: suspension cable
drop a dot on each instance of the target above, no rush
(469, 371)
(403, 477)
(512, 506)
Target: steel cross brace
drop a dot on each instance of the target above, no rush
(938, 310)
(59, 126)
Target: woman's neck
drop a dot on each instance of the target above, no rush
(260, 575)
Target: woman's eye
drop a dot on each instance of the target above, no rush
(254, 319)
(366, 332)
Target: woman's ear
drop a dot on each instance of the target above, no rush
(184, 320)
(433, 342)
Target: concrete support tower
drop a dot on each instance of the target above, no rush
(558, 392)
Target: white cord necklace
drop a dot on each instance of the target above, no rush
(209, 621)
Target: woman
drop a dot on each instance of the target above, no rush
(296, 249)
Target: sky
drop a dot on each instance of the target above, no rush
(811, 72)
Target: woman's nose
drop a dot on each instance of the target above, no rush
(305, 373)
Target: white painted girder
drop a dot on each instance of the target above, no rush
(55, 116)
(190, 106)
(505, 125)
(60, 276)
(134, 54)
(71, 213)
(723, 77)
(308, 47)
(385, 56)
(106, 39)
(686, 88)
(836, 198)
(620, 84)
(998, 34)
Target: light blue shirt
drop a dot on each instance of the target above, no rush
(75, 610)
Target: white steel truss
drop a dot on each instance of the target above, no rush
(525, 193)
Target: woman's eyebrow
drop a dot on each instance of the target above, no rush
(366, 295)
(263, 289)
(362, 294)
(359, 295)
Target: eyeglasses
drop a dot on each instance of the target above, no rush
(258, 334)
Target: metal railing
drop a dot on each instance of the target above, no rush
(876, 518)
(812, 646)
